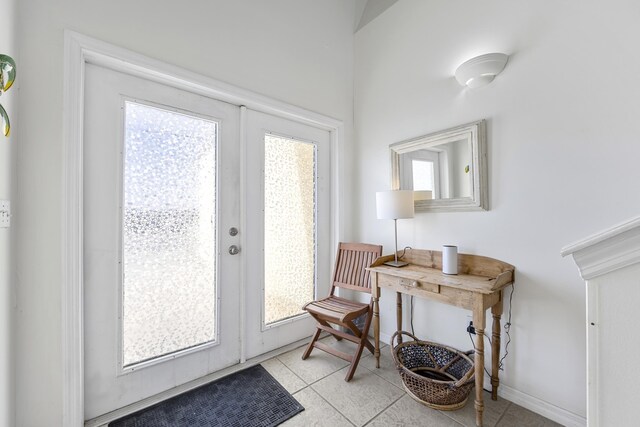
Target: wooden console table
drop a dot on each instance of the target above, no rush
(477, 287)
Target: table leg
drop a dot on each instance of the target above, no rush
(376, 330)
(479, 321)
(399, 314)
(496, 311)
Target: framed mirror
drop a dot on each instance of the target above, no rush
(447, 170)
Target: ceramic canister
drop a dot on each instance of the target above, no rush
(449, 259)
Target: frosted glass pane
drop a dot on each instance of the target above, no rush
(422, 175)
(169, 242)
(289, 223)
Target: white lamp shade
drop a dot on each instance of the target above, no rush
(394, 204)
(481, 70)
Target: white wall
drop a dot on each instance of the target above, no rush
(8, 46)
(298, 51)
(563, 158)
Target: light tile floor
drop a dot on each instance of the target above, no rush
(374, 397)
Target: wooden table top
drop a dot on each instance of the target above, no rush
(476, 273)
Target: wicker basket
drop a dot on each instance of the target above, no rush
(437, 376)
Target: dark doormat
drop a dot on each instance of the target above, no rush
(249, 398)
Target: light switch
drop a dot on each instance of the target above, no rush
(5, 213)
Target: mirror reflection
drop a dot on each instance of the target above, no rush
(446, 170)
(438, 172)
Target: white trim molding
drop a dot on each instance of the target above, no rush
(72, 237)
(607, 250)
(546, 409)
(597, 256)
(80, 50)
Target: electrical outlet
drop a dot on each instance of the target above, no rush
(5, 213)
(471, 329)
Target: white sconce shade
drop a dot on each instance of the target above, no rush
(395, 204)
(481, 70)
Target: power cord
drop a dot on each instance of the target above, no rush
(474, 347)
(404, 251)
(507, 329)
(412, 331)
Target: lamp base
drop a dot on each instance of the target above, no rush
(396, 263)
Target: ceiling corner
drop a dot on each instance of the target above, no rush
(368, 10)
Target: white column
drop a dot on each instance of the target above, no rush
(609, 262)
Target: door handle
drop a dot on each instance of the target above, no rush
(234, 250)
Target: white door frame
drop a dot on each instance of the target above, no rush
(79, 50)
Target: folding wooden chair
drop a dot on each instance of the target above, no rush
(349, 273)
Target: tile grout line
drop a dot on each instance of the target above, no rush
(383, 411)
(503, 413)
(473, 424)
(294, 374)
(309, 385)
(334, 408)
(329, 374)
(453, 419)
(446, 414)
(387, 380)
(313, 382)
(319, 379)
(387, 407)
(375, 372)
(338, 411)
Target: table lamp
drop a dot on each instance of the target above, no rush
(395, 205)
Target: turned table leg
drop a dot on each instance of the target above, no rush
(479, 323)
(375, 294)
(399, 315)
(496, 311)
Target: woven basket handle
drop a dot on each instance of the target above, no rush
(462, 381)
(397, 335)
(394, 344)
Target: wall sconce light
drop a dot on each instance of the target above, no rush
(481, 70)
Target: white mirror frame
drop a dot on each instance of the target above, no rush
(475, 133)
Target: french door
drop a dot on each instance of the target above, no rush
(288, 211)
(187, 236)
(158, 191)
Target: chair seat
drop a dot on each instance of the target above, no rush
(334, 307)
(338, 316)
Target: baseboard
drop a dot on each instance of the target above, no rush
(554, 413)
(384, 338)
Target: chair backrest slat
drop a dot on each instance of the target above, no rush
(351, 263)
